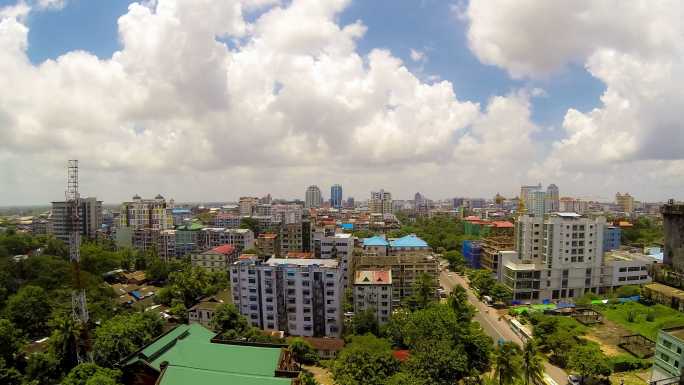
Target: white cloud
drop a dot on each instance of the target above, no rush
(51, 4)
(634, 48)
(417, 56)
(288, 102)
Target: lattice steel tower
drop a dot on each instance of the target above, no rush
(79, 307)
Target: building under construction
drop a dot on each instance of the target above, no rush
(673, 223)
(491, 246)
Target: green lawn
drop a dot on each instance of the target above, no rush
(664, 317)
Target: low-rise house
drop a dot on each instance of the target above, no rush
(669, 355)
(217, 259)
(203, 312)
(327, 348)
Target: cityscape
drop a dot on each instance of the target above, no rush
(340, 192)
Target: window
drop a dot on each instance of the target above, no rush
(664, 357)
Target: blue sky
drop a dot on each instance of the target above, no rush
(429, 26)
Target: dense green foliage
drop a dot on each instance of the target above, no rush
(303, 352)
(92, 374)
(645, 231)
(441, 233)
(485, 284)
(507, 362)
(122, 335)
(365, 360)
(365, 322)
(185, 286)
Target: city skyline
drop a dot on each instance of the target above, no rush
(442, 96)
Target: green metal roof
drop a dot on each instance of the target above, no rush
(193, 359)
(179, 375)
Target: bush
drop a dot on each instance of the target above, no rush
(627, 291)
(626, 363)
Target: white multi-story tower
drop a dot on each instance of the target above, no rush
(298, 296)
(557, 258)
(313, 197)
(380, 202)
(536, 203)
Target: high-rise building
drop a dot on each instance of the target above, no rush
(89, 214)
(313, 198)
(625, 202)
(380, 202)
(536, 203)
(335, 246)
(526, 194)
(336, 196)
(552, 202)
(673, 225)
(350, 202)
(146, 214)
(301, 297)
(248, 206)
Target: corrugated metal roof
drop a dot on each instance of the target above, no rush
(375, 241)
(408, 241)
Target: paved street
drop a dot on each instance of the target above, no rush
(492, 325)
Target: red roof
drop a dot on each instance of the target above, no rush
(502, 224)
(298, 255)
(401, 355)
(224, 249)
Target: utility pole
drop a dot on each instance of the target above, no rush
(79, 307)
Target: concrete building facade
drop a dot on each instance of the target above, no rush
(380, 202)
(673, 223)
(313, 198)
(216, 259)
(298, 296)
(89, 214)
(373, 291)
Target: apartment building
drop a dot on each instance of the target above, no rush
(166, 247)
(380, 202)
(624, 267)
(242, 239)
(625, 202)
(291, 238)
(612, 238)
(298, 296)
(216, 259)
(146, 214)
(373, 291)
(491, 248)
(405, 270)
(227, 220)
(313, 197)
(247, 206)
(338, 246)
(89, 218)
(268, 244)
(669, 354)
(188, 239)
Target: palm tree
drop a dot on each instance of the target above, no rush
(532, 365)
(507, 362)
(65, 340)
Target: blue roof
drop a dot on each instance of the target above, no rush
(375, 241)
(408, 241)
(348, 226)
(180, 211)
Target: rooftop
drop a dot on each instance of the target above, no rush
(268, 236)
(677, 332)
(625, 255)
(373, 277)
(408, 241)
(375, 241)
(302, 262)
(568, 215)
(226, 249)
(664, 289)
(193, 359)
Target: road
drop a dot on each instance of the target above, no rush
(491, 323)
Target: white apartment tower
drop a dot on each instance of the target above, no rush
(299, 296)
(557, 258)
(313, 198)
(338, 246)
(380, 202)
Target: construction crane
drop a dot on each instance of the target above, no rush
(79, 308)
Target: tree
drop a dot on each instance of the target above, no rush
(423, 293)
(250, 223)
(303, 352)
(405, 378)
(10, 341)
(30, 308)
(588, 361)
(56, 247)
(438, 362)
(366, 360)
(532, 364)
(305, 378)
(500, 293)
(456, 260)
(481, 280)
(227, 318)
(122, 335)
(156, 269)
(507, 362)
(92, 374)
(627, 291)
(8, 374)
(458, 301)
(65, 340)
(365, 322)
(43, 369)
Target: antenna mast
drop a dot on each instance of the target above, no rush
(79, 307)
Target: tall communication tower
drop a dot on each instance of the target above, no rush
(79, 307)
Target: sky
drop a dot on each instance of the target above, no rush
(208, 100)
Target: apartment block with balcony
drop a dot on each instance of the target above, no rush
(373, 291)
(242, 239)
(301, 297)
